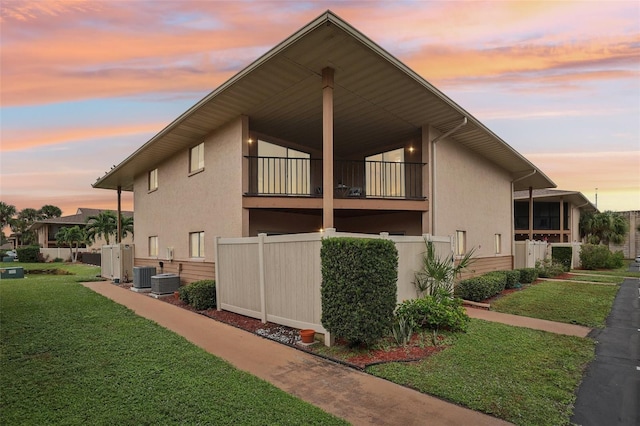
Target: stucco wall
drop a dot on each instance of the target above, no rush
(472, 195)
(209, 201)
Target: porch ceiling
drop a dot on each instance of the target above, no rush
(378, 101)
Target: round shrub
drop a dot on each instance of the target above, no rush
(433, 312)
(528, 275)
(202, 294)
(480, 288)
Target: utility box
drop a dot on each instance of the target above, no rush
(12, 272)
(116, 262)
(165, 283)
(142, 276)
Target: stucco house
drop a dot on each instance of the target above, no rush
(47, 229)
(555, 216)
(325, 130)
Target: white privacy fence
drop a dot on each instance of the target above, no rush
(278, 278)
(528, 252)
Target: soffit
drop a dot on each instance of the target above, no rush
(378, 101)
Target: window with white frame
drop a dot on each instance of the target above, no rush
(385, 174)
(196, 158)
(153, 179)
(153, 246)
(498, 243)
(461, 243)
(196, 244)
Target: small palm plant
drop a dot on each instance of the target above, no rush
(438, 274)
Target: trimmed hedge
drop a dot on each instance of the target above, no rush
(199, 294)
(480, 288)
(528, 275)
(434, 312)
(562, 255)
(359, 287)
(600, 257)
(30, 254)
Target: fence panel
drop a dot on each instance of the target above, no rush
(278, 278)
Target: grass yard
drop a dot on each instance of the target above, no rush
(620, 272)
(70, 356)
(527, 377)
(562, 301)
(605, 279)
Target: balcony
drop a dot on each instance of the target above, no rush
(302, 177)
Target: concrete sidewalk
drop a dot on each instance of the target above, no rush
(534, 323)
(352, 395)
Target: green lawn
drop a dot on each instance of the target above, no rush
(525, 376)
(605, 279)
(562, 301)
(70, 356)
(620, 272)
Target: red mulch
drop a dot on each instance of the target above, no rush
(358, 358)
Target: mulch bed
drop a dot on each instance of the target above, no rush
(359, 358)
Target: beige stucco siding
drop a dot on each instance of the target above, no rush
(472, 195)
(209, 200)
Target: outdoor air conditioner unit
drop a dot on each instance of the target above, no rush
(142, 276)
(164, 283)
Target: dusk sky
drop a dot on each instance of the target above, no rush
(85, 83)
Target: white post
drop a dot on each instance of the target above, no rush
(263, 300)
(216, 259)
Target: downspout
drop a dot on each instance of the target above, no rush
(513, 224)
(432, 201)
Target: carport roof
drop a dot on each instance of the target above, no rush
(377, 99)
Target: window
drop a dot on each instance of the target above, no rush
(461, 243)
(153, 246)
(282, 170)
(498, 243)
(196, 244)
(153, 179)
(385, 174)
(196, 158)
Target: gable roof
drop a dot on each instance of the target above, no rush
(377, 99)
(80, 218)
(574, 197)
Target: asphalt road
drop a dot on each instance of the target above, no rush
(610, 391)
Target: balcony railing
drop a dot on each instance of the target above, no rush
(283, 176)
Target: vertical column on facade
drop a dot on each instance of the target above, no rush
(119, 219)
(327, 147)
(245, 170)
(426, 178)
(530, 213)
(561, 220)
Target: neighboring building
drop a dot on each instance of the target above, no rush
(631, 245)
(555, 217)
(47, 229)
(326, 130)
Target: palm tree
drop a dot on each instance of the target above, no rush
(103, 225)
(7, 212)
(20, 224)
(70, 236)
(437, 275)
(126, 225)
(603, 228)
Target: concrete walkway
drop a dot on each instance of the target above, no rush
(536, 324)
(352, 395)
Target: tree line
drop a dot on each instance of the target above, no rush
(103, 225)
